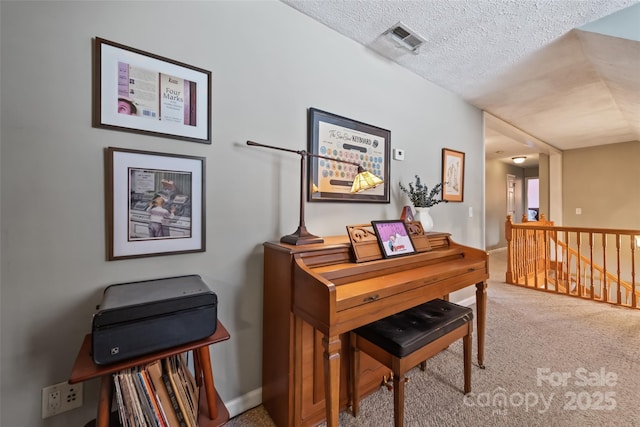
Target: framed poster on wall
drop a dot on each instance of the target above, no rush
(140, 92)
(154, 202)
(351, 141)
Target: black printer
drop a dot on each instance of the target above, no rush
(137, 318)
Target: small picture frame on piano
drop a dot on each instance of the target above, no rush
(393, 238)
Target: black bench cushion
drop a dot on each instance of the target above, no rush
(405, 332)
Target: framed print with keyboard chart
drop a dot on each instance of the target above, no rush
(350, 143)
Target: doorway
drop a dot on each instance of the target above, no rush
(511, 196)
(533, 199)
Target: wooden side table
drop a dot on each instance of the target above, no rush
(213, 412)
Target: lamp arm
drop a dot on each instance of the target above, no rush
(301, 236)
(360, 183)
(333, 159)
(304, 153)
(257, 144)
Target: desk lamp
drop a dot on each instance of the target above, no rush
(364, 180)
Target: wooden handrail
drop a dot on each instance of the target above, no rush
(561, 260)
(612, 278)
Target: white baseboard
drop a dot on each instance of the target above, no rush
(245, 402)
(497, 250)
(467, 301)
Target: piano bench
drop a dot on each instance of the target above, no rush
(406, 339)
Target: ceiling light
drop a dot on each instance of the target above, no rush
(518, 160)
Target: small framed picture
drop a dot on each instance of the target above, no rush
(393, 238)
(452, 175)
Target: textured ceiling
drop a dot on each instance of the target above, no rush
(518, 60)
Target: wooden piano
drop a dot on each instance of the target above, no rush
(315, 294)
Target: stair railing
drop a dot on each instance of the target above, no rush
(591, 263)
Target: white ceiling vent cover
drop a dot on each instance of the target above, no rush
(405, 37)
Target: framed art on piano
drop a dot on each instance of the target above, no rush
(393, 238)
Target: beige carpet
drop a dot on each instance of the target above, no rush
(550, 361)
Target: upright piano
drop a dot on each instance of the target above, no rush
(315, 294)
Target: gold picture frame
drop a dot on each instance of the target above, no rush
(452, 175)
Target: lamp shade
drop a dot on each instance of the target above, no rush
(519, 159)
(364, 181)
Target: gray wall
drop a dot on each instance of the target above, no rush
(270, 63)
(604, 182)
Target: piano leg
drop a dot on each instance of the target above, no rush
(332, 346)
(481, 305)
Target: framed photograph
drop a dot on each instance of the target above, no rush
(452, 175)
(393, 238)
(348, 142)
(140, 92)
(155, 204)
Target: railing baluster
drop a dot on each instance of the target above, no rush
(557, 245)
(546, 260)
(518, 248)
(569, 258)
(618, 265)
(605, 291)
(530, 259)
(634, 300)
(535, 259)
(520, 260)
(591, 265)
(579, 264)
(565, 275)
(525, 261)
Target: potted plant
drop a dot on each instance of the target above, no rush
(422, 199)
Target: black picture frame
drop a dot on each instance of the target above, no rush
(393, 237)
(347, 140)
(137, 225)
(140, 92)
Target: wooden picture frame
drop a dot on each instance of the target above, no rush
(452, 175)
(137, 91)
(154, 203)
(393, 238)
(352, 141)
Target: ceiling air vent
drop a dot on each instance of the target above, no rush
(405, 37)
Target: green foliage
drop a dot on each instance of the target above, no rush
(420, 195)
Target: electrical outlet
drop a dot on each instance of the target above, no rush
(60, 397)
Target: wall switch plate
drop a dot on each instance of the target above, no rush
(60, 397)
(398, 154)
(578, 211)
